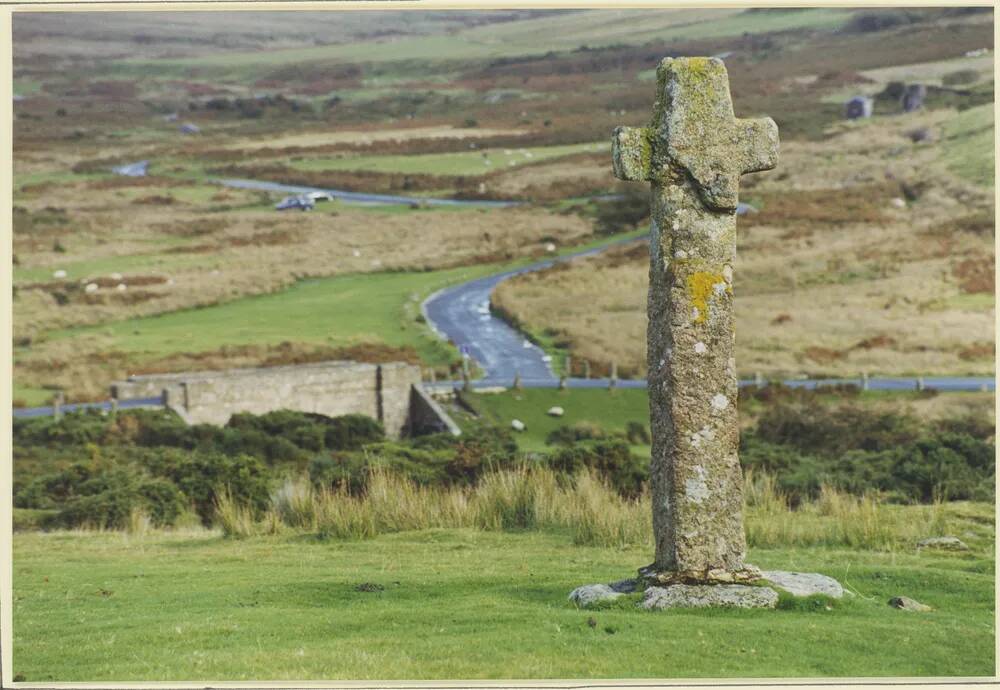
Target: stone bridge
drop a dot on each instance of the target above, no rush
(391, 393)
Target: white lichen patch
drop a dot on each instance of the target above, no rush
(680, 254)
(727, 273)
(719, 289)
(706, 433)
(695, 488)
(719, 402)
(695, 313)
(677, 225)
(700, 348)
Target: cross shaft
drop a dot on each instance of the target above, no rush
(693, 154)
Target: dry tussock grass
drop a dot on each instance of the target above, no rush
(377, 134)
(237, 256)
(571, 176)
(819, 291)
(594, 514)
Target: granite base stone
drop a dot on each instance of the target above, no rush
(709, 596)
(804, 584)
(687, 595)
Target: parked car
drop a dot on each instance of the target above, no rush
(302, 203)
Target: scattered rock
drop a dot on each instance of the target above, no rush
(919, 135)
(121, 287)
(517, 425)
(704, 596)
(588, 595)
(369, 587)
(556, 411)
(59, 274)
(91, 287)
(948, 543)
(550, 247)
(898, 203)
(804, 584)
(907, 604)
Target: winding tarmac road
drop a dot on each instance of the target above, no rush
(462, 315)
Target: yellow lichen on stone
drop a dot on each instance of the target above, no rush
(700, 288)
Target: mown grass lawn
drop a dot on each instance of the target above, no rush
(460, 604)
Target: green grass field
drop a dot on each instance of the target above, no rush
(465, 163)
(530, 37)
(460, 604)
(316, 311)
(968, 145)
(609, 410)
(322, 310)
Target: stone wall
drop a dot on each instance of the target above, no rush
(334, 388)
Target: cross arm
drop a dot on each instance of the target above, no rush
(757, 143)
(631, 153)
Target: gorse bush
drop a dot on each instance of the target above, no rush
(103, 498)
(202, 476)
(612, 460)
(581, 431)
(103, 470)
(859, 451)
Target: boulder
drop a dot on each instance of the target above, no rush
(556, 411)
(517, 425)
(588, 595)
(704, 596)
(949, 543)
(907, 604)
(804, 584)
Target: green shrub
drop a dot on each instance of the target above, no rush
(480, 450)
(104, 500)
(351, 432)
(637, 433)
(49, 491)
(163, 500)
(880, 454)
(74, 428)
(817, 429)
(202, 475)
(611, 459)
(581, 431)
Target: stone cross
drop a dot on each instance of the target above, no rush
(693, 154)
